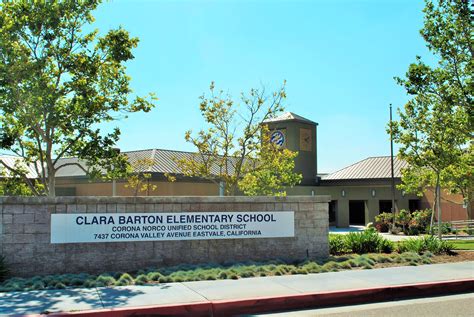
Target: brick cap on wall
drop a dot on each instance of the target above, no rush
(161, 199)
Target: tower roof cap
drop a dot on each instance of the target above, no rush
(290, 116)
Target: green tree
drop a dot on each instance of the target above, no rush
(139, 176)
(272, 171)
(13, 185)
(435, 126)
(460, 178)
(57, 83)
(232, 148)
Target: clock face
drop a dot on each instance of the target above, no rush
(306, 140)
(277, 137)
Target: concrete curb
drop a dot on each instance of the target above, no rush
(280, 303)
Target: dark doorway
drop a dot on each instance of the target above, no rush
(414, 205)
(356, 212)
(332, 212)
(385, 206)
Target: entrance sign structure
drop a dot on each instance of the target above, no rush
(42, 235)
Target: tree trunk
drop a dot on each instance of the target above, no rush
(432, 217)
(51, 182)
(469, 209)
(438, 207)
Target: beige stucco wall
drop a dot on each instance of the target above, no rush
(163, 188)
(451, 204)
(355, 193)
(306, 161)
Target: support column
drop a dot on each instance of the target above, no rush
(373, 210)
(342, 217)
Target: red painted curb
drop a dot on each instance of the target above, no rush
(280, 303)
(346, 297)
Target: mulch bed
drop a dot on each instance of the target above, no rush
(457, 256)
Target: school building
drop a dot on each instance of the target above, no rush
(359, 192)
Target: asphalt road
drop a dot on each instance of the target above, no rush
(443, 306)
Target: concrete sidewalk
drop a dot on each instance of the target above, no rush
(193, 293)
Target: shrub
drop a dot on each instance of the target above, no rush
(364, 261)
(78, 281)
(234, 271)
(411, 245)
(424, 244)
(154, 276)
(3, 269)
(223, 275)
(345, 265)
(125, 279)
(211, 277)
(386, 246)
(37, 285)
(382, 227)
(89, 283)
(164, 279)
(247, 273)
(403, 219)
(337, 244)
(445, 228)
(104, 280)
(384, 217)
(142, 279)
(368, 241)
(414, 230)
(412, 258)
(437, 246)
(330, 267)
(419, 222)
(312, 267)
(382, 221)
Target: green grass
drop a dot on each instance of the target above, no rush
(463, 244)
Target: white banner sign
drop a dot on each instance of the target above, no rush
(72, 228)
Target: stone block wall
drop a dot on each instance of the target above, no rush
(25, 234)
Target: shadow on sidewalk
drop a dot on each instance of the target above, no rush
(124, 295)
(44, 301)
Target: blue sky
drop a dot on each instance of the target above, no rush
(338, 57)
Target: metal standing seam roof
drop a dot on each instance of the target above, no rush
(164, 161)
(11, 160)
(70, 170)
(370, 168)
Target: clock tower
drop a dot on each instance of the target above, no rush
(296, 133)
